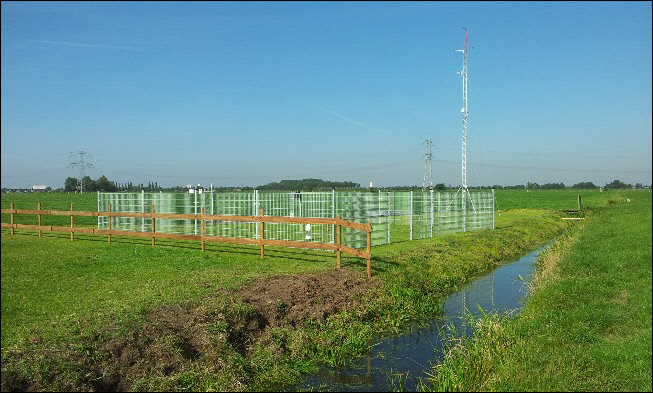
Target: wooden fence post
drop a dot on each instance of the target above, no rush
(12, 219)
(578, 201)
(262, 237)
(369, 250)
(72, 234)
(338, 240)
(202, 228)
(110, 223)
(153, 227)
(38, 207)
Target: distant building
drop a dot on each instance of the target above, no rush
(39, 188)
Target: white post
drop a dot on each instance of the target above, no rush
(333, 215)
(388, 217)
(142, 210)
(98, 209)
(255, 212)
(379, 205)
(493, 208)
(195, 193)
(212, 222)
(431, 213)
(411, 215)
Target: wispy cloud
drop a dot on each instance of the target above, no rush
(82, 45)
(345, 118)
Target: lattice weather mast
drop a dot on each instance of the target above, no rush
(463, 73)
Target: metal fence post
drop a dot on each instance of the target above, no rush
(202, 229)
(333, 215)
(109, 239)
(493, 208)
(432, 213)
(153, 227)
(411, 215)
(257, 206)
(388, 217)
(195, 193)
(262, 236)
(378, 220)
(143, 210)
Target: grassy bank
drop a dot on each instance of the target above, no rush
(586, 325)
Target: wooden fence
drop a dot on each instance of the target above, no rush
(153, 234)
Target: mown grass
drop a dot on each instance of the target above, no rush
(552, 199)
(587, 324)
(49, 282)
(50, 201)
(59, 296)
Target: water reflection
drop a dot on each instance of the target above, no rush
(412, 353)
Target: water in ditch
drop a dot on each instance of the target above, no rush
(411, 354)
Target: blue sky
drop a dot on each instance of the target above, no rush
(249, 93)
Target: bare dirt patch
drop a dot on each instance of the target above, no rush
(290, 300)
(173, 337)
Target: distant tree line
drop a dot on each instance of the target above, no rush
(309, 185)
(105, 185)
(586, 185)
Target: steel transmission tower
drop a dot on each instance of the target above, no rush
(79, 162)
(428, 169)
(463, 73)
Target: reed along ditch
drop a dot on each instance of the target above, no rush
(398, 362)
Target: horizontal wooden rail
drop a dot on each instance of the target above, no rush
(262, 241)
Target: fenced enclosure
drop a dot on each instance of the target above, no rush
(394, 215)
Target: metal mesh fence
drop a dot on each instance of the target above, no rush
(421, 214)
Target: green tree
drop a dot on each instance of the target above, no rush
(585, 185)
(103, 184)
(617, 184)
(70, 185)
(88, 184)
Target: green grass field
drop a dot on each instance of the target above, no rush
(51, 201)
(62, 300)
(550, 199)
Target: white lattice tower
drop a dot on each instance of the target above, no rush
(463, 73)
